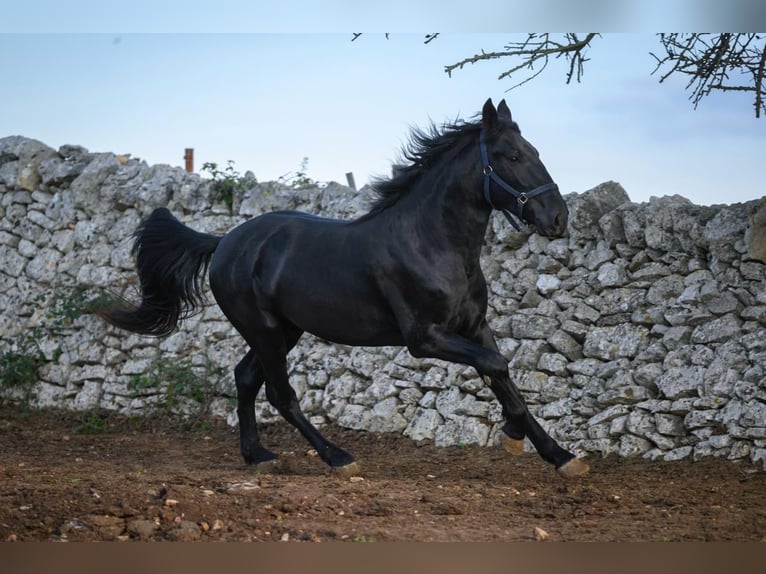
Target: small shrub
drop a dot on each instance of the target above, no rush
(227, 182)
(299, 179)
(91, 423)
(19, 366)
(18, 369)
(174, 381)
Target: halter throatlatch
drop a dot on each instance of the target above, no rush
(520, 196)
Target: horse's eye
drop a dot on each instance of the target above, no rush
(514, 157)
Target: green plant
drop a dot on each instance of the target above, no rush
(204, 426)
(19, 367)
(91, 423)
(300, 178)
(227, 181)
(175, 381)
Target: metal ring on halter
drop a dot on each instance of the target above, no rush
(522, 199)
(488, 169)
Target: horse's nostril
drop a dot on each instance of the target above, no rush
(559, 224)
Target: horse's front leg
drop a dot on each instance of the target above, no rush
(513, 432)
(516, 427)
(437, 342)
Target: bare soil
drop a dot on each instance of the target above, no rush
(159, 479)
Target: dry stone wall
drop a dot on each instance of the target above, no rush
(641, 333)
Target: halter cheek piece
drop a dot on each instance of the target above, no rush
(520, 196)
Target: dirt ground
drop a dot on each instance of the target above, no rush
(158, 479)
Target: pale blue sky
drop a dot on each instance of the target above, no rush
(266, 100)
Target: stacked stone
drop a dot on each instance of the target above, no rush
(643, 332)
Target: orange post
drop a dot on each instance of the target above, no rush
(189, 159)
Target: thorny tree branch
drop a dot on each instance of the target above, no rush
(537, 49)
(711, 59)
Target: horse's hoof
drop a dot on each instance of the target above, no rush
(347, 470)
(512, 446)
(574, 468)
(266, 466)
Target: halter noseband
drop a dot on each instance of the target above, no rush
(520, 196)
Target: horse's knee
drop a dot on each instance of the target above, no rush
(496, 366)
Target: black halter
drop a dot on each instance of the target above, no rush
(521, 196)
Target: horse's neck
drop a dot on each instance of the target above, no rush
(450, 215)
(466, 222)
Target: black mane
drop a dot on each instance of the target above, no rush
(424, 148)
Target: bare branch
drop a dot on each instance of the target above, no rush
(536, 50)
(709, 60)
(760, 85)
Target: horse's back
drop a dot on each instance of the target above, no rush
(274, 235)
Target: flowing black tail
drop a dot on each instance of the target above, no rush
(171, 260)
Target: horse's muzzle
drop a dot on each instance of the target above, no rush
(557, 227)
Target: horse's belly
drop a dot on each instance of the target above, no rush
(348, 324)
(359, 338)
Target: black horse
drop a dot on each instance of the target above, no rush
(406, 273)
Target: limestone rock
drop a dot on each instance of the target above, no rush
(565, 344)
(678, 382)
(721, 329)
(609, 343)
(458, 430)
(755, 235)
(585, 210)
(533, 326)
(424, 424)
(612, 275)
(547, 284)
(631, 445)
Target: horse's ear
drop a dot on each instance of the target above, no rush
(488, 115)
(504, 111)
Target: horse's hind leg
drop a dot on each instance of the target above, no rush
(272, 341)
(249, 378)
(282, 396)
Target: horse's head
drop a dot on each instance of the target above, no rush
(515, 180)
